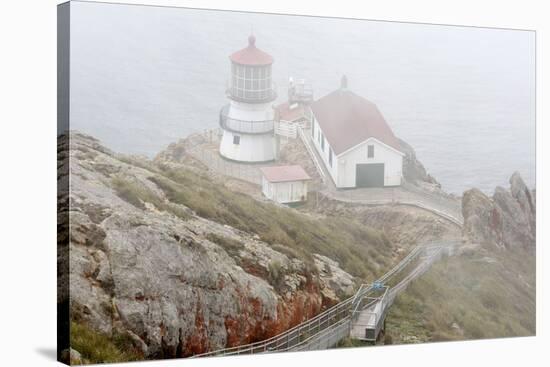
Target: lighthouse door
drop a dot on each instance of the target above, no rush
(369, 175)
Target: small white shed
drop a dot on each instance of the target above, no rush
(285, 184)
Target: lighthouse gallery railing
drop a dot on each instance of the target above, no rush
(244, 126)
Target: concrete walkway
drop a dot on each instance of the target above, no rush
(405, 194)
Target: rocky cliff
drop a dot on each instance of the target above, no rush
(413, 170)
(506, 220)
(488, 288)
(172, 281)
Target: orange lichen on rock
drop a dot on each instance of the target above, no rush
(198, 341)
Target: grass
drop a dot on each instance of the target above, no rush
(344, 240)
(138, 194)
(351, 342)
(95, 347)
(133, 192)
(467, 297)
(233, 247)
(289, 252)
(276, 274)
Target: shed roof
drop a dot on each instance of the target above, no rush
(347, 120)
(284, 173)
(290, 112)
(251, 55)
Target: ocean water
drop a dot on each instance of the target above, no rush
(463, 97)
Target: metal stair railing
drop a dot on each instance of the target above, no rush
(292, 336)
(312, 154)
(297, 337)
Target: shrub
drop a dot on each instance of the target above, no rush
(229, 244)
(288, 251)
(99, 348)
(133, 192)
(344, 240)
(137, 194)
(351, 342)
(276, 274)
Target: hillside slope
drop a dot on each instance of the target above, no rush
(488, 289)
(165, 261)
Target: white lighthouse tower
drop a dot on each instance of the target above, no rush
(247, 121)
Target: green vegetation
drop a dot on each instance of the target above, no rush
(141, 162)
(230, 245)
(276, 274)
(138, 194)
(290, 252)
(350, 243)
(360, 250)
(351, 342)
(133, 192)
(468, 297)
(99, 348)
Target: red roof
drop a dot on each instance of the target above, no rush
(284, 173)
(284, 112)
(251, 55)
(347, 120)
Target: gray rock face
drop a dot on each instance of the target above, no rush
(71, 357)
(169, 283)
(413, 170)
(507, 220)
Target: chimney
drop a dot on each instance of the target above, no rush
(344, 83)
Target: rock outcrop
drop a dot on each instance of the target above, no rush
(507, 220)
(413, 170)
(175, 283)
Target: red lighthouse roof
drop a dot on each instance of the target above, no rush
(251, 55)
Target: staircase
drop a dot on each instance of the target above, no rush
(361, 316)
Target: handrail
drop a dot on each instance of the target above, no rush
(244, 126)
(280, 336)
(331, 316)
(312, 154)
(322, 333)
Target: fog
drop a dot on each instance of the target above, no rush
(463, 97)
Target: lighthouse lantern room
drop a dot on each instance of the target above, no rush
(247, 120)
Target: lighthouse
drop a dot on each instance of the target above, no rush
(247, 120)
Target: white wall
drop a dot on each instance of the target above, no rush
(332, 170)
(393, 163)
(285, 192)
(343, 167)
(252, 148)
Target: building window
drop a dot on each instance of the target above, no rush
(236, 139)
(323, 143)
(330, 156)
(370, 153)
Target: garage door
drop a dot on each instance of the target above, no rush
(369, 175)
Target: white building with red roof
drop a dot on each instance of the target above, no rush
(247, 121)
(285, 184)
(355, 142)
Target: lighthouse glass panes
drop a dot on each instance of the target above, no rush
(251, 83)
